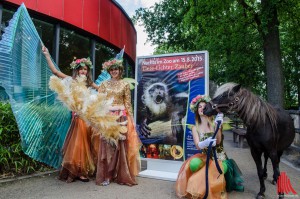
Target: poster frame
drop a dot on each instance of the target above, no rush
(156, 168)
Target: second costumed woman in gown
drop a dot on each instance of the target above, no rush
(118, 162)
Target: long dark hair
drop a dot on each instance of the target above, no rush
(198, 118)
(89, 80)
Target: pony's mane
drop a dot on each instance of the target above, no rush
(251, 108)
(225, 87)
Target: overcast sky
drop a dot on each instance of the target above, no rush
(130, 6)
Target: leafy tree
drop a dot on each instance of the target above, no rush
(242, 38)
(290, 45)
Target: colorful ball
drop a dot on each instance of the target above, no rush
(195, 164)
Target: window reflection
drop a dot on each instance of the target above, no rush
(105, 53)
(45, 31)
(71, 45)
(102, 54)
(6, 16)
(130, 69)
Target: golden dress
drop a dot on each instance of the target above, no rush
(77, 155)
(119, 163)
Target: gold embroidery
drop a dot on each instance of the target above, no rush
(119, 91)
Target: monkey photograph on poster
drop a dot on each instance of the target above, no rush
(161, 108)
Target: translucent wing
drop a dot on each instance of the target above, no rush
(119, 56)
(42, 120)
(104, 75)
(132, 82)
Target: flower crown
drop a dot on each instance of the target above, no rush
(81, 62)
(197, 100)
(114, 63)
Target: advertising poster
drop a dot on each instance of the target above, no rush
(167, 84)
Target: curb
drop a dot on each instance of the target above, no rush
(12, 179)
(16, 178)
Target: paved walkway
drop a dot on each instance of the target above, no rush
(47, 186)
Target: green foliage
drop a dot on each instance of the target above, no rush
(12, 159)
(233, 32)
(290, 45)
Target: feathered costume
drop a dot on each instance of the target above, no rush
(91, 108)
(89, 105)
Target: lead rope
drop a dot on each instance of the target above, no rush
(207, 160)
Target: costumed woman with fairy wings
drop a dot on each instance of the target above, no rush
(191, 180)
(118, 160)
(77, 156)
(44, 122)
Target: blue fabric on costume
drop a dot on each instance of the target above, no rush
(104, 75)
(24, 74)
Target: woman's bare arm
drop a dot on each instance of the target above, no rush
(195, 136)
(95, 86)
(219, 135)
(51, 64)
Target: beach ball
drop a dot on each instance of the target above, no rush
(195, 164)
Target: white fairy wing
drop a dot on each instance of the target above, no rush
(24, 74)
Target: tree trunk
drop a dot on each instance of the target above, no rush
(298, 92)
(272, 55)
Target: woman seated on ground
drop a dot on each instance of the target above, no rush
(191, 180)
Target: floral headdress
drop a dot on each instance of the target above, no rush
(81, 62)
(116, 62)
(197, 100)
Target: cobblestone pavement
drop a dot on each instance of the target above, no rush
(47, 186)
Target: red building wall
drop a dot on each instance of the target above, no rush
(102, 18)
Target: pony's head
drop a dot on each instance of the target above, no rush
(224, 99)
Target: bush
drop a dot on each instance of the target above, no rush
(13, 161)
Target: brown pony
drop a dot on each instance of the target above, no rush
(270, 130)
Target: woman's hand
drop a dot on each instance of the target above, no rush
(51, 64)
(45, 51)
(205, 143)
(122, 137)
(219, 118)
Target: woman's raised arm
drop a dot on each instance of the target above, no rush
(51, 64)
